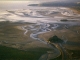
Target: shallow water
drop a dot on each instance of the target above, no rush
(45, 22)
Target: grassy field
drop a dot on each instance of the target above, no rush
(75, 54)
(14, 45)
(7, 53)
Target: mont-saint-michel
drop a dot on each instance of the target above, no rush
(40, 30)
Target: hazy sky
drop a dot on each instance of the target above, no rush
(15, 4)
(23, 3)
(39, 0)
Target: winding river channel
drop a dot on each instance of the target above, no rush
(40, 28)
(44, 19)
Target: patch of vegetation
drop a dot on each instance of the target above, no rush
(55, 39)
(7, 53)
(75, 54)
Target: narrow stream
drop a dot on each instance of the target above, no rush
(43, 28)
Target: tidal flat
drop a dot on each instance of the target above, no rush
(40, 34)
(14, 45)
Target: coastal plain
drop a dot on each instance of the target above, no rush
(30, 30)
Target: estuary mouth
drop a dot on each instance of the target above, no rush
(45, 32)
